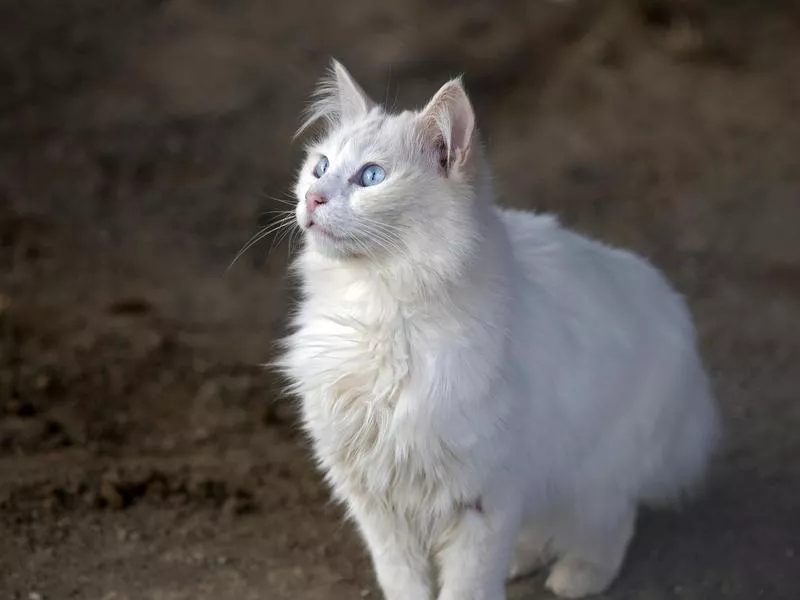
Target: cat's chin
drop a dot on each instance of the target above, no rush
(327, 243)
(316, 229)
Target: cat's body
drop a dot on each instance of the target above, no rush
(479, 379)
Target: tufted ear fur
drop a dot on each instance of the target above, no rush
(448, 123)
(338, 98)
(353, 100)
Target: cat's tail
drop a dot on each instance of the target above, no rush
(687, 456)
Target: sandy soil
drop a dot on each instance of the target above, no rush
(144, 453)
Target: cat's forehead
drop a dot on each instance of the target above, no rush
(378, 130)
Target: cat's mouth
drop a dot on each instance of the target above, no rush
(316, 228)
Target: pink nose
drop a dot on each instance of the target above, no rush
(314, 201)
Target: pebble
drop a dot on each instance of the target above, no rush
(110, 493)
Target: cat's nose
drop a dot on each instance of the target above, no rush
(314, 201)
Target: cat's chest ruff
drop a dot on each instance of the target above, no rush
(355, 374)
(361, 399)
(350, 359)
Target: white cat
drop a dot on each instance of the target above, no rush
(486, 391)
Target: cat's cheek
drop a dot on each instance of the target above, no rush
(369, 205)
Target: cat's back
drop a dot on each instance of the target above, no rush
(590, 283)
(542, 245)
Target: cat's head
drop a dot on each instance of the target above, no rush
(377, 185)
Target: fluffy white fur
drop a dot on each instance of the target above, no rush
(486, 391)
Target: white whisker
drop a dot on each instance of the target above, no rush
(284, 222)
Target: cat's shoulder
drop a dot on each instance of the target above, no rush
(526, 223)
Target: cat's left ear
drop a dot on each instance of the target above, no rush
(448, 123)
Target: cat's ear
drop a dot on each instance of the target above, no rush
(448, 124)
(338, 98)
(353, 100)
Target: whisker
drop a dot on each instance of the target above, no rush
(289, 200)
(278, 212)
(282, 235)
(281, 223)
(384, 235)
(294, 241)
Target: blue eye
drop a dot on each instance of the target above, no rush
(371, 175)
(321, 167)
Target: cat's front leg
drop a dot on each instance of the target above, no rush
(475, 556)
(401, 564)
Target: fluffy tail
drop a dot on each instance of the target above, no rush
(686, 458)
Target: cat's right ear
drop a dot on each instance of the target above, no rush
(353, 100)
(338, 98)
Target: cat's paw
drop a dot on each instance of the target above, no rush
(526, 563)
(577, 578)
(531, 553)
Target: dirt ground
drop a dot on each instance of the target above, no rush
(144, 453)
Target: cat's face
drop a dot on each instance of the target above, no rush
(378, 184)
(359, 185)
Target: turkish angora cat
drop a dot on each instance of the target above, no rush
(485, 390)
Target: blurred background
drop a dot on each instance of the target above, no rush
(144, 453)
